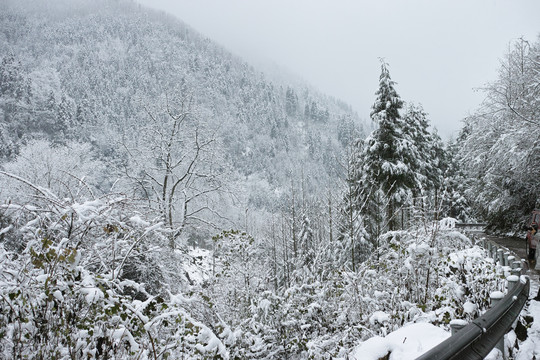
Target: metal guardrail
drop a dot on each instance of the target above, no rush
(478, 338)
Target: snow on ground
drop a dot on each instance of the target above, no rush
(198, 265)
(530, 348)
(408, 342)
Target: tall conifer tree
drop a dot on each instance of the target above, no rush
(386, 156)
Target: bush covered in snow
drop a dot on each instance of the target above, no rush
(427, 275)
(94, 278)
(88, 284)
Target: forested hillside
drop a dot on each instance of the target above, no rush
(105, 72)
(160, 198)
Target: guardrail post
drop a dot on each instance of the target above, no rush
(513, 280)
(494, 250)
(500, 256)
(497, 296)
(515, 271)
(456, 325)
(515, 264)
(524, 265)
(506, 258)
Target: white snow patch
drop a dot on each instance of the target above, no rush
(5, 230)
(58, 295)
(469, 307)
(497, 295)
(459, 322)
(448, 223)
(379, 317)
(531, 347)
(136, 220)
(406, 343)
(264, 305)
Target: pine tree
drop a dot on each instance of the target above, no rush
(307, 241)
(12, 81)
(426, 152)
(352, 233)
(438, 170)
(347, 130)
(291, 102)
(454, 203)
(386, 158)
(64, 119)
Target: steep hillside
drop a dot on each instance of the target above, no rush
(95, 71)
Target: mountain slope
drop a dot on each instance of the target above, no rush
(101, 62)
(106, 72)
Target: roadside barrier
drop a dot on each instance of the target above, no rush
(476, 339)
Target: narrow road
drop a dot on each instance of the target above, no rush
(517, 246)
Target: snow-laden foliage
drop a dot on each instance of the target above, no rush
(53, 307)
(95, 278)
(72, 170)
(454, 201)
(178, 170)
(386, 158)
(499, 146)
(398, 168)
(106, 177)
(431, 275)
(88, 283)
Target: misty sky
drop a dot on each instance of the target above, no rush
(439, 51)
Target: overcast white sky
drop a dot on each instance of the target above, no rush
(438, 50)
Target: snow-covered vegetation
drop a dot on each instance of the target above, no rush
(499, 146)
(160, 198)
(96, 279)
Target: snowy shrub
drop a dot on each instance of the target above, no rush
(426, 276)
(88, 284)
(70, 170)
(420, 275)
(468, 277)
(236, 272)
(95, 278)
(56, 308)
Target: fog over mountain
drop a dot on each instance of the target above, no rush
(440, 52)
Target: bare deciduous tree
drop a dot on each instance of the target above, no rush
(174, 165)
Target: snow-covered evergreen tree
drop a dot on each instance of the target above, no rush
(454, 203)
(386, 158)
(427, 161)
(357, 224)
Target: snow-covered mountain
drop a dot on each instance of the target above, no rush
(94, 71)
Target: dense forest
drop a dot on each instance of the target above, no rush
(161, 198)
